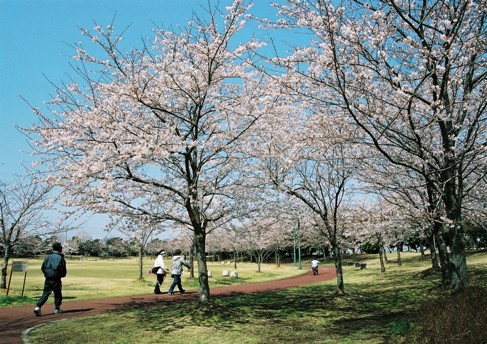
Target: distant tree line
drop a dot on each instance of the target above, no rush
(102, 248)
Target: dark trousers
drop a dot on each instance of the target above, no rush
(176, 282)
(49, 287)
(160, 279)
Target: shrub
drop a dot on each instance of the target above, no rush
(462, 320)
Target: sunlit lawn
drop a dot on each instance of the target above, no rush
(94, 279)
(378, 308)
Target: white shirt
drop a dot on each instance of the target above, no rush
(160, 262)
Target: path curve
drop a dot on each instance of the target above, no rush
(14, 320)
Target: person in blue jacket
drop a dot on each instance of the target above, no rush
(54, 269)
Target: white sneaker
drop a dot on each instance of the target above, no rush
(37, 311)
(58, 311)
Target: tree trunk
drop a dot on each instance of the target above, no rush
(434, 258)
(399, 261)
(258, 259)
(6, 258)
(199, 247)
(458, 263)
(191, 261)
(444, 260)
(381, 257)
(339, 271)
(452, 198)
(141, 261)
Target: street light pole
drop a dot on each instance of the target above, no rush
(299, 246)
(294, 246)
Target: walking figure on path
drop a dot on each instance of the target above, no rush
(176, 271)
(54, 268)
(161, 272)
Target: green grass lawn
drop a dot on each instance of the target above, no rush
(96, 279)
(378, 308)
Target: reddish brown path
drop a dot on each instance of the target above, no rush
(15, 320)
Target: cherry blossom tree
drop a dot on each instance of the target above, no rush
(225, 240)
(140, 230)
(21, 215)
(475, 213)
(261, 235)
(309, 157)
(381, 224)
(31, 245)
(153, 131)
(413, 197)
(155, 245)
(311, 238)
(412, 75)
(368, 222)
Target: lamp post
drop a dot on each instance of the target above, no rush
(299, 246)
(294, 247)
(297, 237)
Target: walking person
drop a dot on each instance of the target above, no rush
(54, 269)
(161, 272)
(177, 263)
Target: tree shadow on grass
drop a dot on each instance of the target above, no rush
(69, 297)
(369, 310)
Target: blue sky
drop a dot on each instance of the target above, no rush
(37, 38)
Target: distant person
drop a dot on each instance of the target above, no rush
(314, 266)
(177, 263)
(54, 268)
(161, 272)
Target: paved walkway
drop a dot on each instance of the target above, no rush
(15, 320)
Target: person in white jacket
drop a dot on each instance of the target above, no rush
(314, 266)
(177, 263)
(161, 272)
